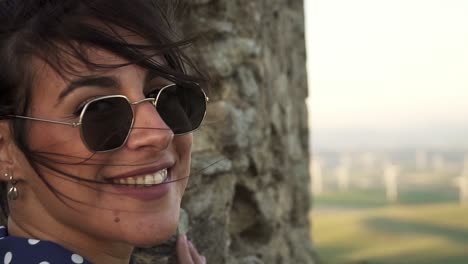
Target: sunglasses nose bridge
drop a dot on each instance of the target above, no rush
(152, 100)
(147, 129)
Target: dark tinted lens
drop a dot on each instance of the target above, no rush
(182, 108)
(106, 123)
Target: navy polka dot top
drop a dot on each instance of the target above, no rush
(18, 250)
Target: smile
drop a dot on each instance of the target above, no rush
(157, 177)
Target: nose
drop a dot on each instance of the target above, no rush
(149, 129)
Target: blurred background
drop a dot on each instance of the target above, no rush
(388, 108)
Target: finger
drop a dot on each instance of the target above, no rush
(183, 251)
(196, 257)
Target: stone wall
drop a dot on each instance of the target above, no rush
(248, 196)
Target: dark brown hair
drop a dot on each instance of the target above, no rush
(53, 30)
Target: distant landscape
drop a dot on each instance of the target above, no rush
(390, 205)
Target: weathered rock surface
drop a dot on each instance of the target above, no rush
(247, 200)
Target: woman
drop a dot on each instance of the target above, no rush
(95, 138)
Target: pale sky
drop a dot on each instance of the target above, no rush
(387, 64)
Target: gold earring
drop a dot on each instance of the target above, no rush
(12, 193)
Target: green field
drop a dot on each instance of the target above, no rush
(425, 227)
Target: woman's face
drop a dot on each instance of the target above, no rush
(84, 211)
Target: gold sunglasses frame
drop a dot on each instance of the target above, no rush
(83, 111)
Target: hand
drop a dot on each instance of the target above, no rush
(187, 253)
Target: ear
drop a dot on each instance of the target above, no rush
(8, 151)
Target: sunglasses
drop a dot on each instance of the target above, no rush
(105, 122)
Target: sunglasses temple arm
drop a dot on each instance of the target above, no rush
(73, 124)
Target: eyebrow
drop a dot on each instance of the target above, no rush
(96, 81)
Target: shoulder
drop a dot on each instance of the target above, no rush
(28, 250)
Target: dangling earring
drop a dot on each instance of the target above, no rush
(12, 193)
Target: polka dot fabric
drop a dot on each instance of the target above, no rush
(17, 250)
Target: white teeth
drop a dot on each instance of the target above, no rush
(140, 180)
(131, 180)
(148, 180)
(145, 180)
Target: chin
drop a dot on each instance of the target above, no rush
(153, 233)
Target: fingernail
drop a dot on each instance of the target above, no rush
(190, 243)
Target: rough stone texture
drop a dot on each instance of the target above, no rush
(247, 200)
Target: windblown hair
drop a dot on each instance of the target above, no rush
(53, 30)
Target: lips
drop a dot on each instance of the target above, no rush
(145, 184)
(148, 176)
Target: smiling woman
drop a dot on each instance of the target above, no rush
(96, 114)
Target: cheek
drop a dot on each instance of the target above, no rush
(56, 139)
(61, 148)
(46, 136)
(183, 148)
